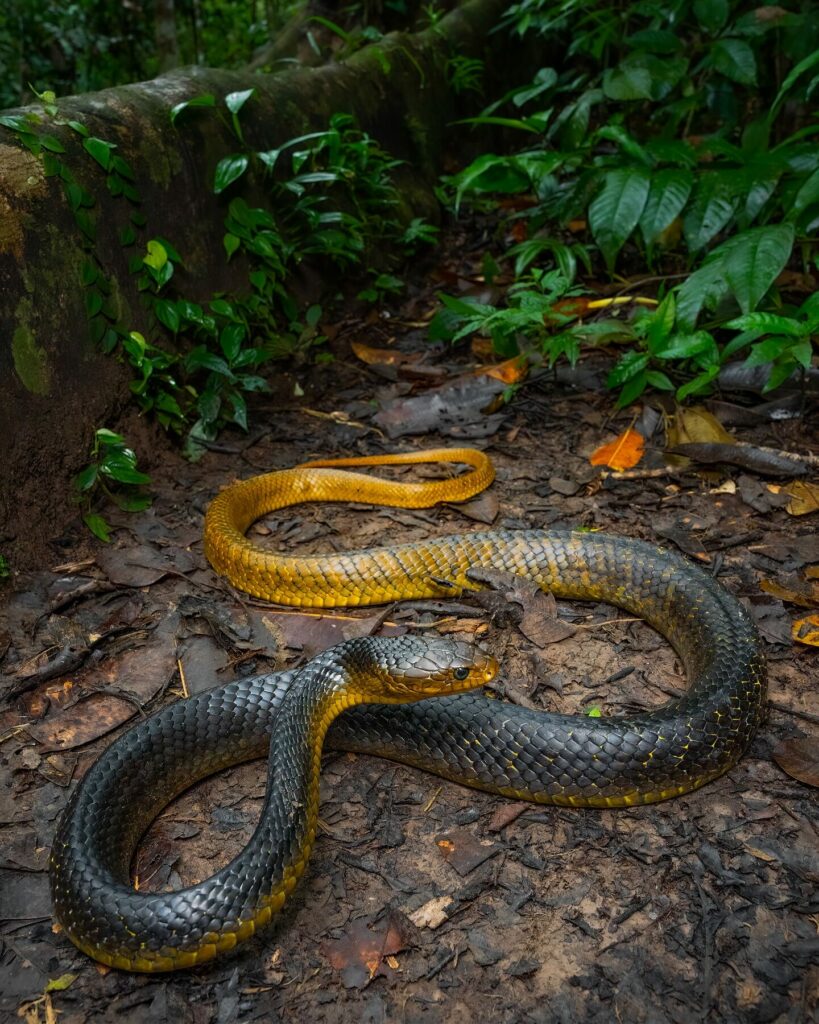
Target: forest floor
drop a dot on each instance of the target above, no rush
(425, 901)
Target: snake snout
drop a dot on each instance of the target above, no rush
(437, 665)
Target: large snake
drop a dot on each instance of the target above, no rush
(472, 739)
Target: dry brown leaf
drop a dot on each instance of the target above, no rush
(804, 497)
(360, 954)
(800, 759)
(432, 914)
(806, 631)
(623, 453)
(82, 722)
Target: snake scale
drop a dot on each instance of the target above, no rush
(463, 736)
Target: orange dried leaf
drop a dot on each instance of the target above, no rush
(623, 453)
(806, 631)
(510, 371)
(382, 356)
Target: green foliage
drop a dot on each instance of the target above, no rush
(5, 570)
(92, 44)
(111, 474)
(529, 319)
(668, 139)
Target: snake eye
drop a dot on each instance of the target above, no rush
(460, 673)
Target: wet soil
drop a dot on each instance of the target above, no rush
(424, 901)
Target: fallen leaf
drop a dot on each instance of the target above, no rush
(800, 759)
(82, 723)
(483, 509)
(695, 426)
(539, 622)
(510, 371)
(432, 914)
(465, 852)
(806, 631)
(383, 356)
(360, 954)
(61, 983)
(505, 814)
(804, 497)
(623, 453)
(795, 593)
(463, 408)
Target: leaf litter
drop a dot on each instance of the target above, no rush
(554, 907)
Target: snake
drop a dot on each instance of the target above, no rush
(415, 700)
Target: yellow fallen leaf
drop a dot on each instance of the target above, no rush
(808, 598)
(697, 426)
(804, 497)
(623, 453)
(806, 631)
(61, 983)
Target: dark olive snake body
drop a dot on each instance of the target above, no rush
(547, 758)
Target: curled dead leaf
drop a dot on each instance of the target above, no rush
(800, 759)
(383, 356)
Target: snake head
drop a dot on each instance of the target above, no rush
(408, 668)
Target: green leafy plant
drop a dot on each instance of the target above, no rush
(531, 319)
(5, 570)
(111, 474)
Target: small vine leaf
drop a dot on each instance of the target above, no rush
(234, 101)
(228, 170)
(100, 150)
(800, 759)
(206, 100)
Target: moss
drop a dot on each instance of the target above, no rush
(30, 359)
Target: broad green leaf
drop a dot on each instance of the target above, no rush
(632, 390)
(667, 196)
(52, 144)
(630, 146)
(735, 59)
(615, 211)
(230, 340)
(167, 314)
(711, 14)
(627, 82)
(700, 383)
(768, 350)
(755, 261)
(206, 100)
(767, 323)
(98, 526)
(713, 206)
(234, 101)
(686, 346)
(231, 243)
(657, 379)
(629, 365)
(105, 436)
(101, 151)
(86, 478)
(490, 173)
(807, 195)
(228, 170)
(661, 323)
(705, 288)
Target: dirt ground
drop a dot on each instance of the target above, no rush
(425, 901)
